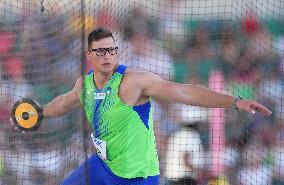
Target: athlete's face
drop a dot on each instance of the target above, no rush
(103, 55)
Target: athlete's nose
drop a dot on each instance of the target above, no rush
(107, 55)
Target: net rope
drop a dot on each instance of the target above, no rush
(232, 46)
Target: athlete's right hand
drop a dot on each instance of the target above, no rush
(14, 126)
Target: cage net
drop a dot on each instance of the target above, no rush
(230, 46)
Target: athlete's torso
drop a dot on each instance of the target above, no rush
(129, 90)
(123, 132)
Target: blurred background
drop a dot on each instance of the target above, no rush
(231, 46)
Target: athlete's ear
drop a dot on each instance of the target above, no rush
(88, 55)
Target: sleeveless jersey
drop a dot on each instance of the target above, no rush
(126, 130)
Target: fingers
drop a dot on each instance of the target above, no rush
(250, 110)
(265, 111)
(19, 130)
(253, 107)
(15, 127)
(11, 121)
(260, 108)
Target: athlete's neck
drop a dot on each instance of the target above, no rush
(101, 78)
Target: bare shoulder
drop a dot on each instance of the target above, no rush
(132, 87)
(79, 82)
(78, 86)
(139, 76)
(135, 84)
(140, 79)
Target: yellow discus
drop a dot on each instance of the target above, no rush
(27, 114)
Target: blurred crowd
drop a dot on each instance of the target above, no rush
(42, 55)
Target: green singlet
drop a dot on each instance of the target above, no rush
(123, 134)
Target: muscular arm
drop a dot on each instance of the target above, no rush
(186, 93)
(64, 103)
(192, 94)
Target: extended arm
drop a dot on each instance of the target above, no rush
(64, 103)
(194, 95)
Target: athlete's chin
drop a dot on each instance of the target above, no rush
(107, 68)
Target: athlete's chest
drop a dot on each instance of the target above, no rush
(130, 93)
(126, 89)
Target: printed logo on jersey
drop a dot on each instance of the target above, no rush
(102, 95)
(99, 96)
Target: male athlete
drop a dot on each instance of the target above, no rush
(117, 103)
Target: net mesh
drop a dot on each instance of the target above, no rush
(231, 46)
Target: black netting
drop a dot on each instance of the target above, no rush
(231, 46)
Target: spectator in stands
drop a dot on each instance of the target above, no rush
(185, 156)
(7, 42)
(230, 49)
(254, 171)
(201, 54)
(16, 85)
(277, 151)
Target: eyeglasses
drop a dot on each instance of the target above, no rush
(102, 51)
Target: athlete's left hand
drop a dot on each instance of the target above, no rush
(252, 107)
